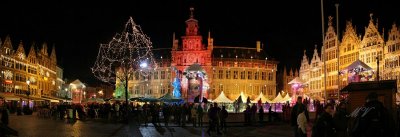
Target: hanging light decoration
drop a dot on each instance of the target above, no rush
(127, 53)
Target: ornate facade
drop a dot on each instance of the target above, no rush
(370, 49)
(349, 50)
(38, 67)
(392, 56)
(208, 69)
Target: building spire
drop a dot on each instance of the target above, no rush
(330, 18)
(370, 16)
(209, 34)
(191, 12)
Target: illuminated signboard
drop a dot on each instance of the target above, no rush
(8, 81)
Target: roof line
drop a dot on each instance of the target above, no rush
(228, 47)
(161, 48)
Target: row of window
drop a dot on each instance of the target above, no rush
(20, 77)
(250, 90)
(349, 47)
(254, 63)
(395, 62)
(20, 66)
(9, 63)
(331, 67)
(394, 47)
(153, 75)
(315, 74)
(32, 70)
(10, 88)
(142, 90)
(250, 75)
(349, 58)
(331, 80)
(331, 44)
(315, 84)
(372, 43)
(331, 55)
(314, 64)
(371, 57)
(182, 61)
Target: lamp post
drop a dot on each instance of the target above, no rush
(28, 92)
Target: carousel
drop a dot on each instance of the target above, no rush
(358, 71)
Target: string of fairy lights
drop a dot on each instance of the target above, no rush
(128, 52)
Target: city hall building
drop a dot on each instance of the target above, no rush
(206, 70)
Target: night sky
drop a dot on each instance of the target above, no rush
(285, 27)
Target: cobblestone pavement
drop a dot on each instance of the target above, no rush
(234, 130)
(32, 126)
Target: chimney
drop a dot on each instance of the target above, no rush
(258, 46)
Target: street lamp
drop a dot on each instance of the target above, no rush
(28, 92)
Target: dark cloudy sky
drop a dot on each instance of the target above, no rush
(285, 27)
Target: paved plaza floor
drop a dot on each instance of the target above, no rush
(32, 126)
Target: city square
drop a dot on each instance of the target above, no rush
(200, 68)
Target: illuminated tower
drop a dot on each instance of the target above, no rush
(192, 52)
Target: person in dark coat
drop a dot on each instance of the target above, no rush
(295, 113)
(373, 120)
(200, 116)
(340, 119)
(323, 126)
(270, 114)
(253, 113)
(4, 116)
(247, 115)
(223, 117)
(166, 112)
(261, 114)
(213, 115)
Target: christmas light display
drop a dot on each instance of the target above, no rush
(129, 52)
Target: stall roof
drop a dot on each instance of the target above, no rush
(296, 80)
(357, 64)
(222, 99)
(371, 85)
(263, 99)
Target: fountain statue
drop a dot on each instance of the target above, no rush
(177, 85)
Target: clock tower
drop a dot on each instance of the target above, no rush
(191, 52)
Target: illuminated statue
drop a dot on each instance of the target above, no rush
(177, 85)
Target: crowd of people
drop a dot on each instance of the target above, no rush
(372, 120)
(332, 120)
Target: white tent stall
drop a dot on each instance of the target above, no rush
(222, 99)
(263, 99)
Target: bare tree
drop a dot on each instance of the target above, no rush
(129, 52)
